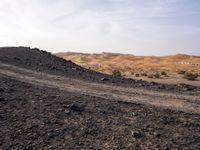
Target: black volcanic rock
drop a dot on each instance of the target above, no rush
(40, 60)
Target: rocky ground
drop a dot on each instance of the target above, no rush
(34, 117)
(59, 105)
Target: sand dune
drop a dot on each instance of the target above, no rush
(106, 62)
(129, 64)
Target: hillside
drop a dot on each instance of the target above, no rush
(42, 61)
(130, 65)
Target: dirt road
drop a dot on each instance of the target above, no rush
(176, 101)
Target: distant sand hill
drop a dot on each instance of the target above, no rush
(130, 64)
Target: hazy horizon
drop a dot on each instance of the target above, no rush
(138, 27)
(123, 53)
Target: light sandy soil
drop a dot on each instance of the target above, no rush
(129, 65)
(177, 101)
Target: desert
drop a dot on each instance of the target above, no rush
(167, 68)
(99, 75)
(47, 102)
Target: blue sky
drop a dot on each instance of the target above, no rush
(140, 27)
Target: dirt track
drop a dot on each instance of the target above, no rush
(43, 111)
(176, 101)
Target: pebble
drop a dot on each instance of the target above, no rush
(2, 99)
(134, 114)
(77, 107)
(67, 111)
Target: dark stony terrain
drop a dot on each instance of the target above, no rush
(33, 116)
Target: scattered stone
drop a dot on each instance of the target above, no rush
(16, 59)
(103, 112)
(60, 109)
(2, 89)
(186, 87)
(1, 117)
(77, 107)
(80, 143)
(156, 134)
(11, 90)
(67, 111)
(104, 79)
(52, 68)
(49, 104)
(134, 114)
(137, 134)
(65, 106)
(91, 147)
(162, 86)
(2, 99)
(167, 120)
(74, 68)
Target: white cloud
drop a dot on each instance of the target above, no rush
(115, 25)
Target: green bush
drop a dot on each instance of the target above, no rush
(116, 73)
(191, 76)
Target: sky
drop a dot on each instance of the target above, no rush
(139, 27)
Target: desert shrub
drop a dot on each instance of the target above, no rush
(137, 75)
(163, 73)
(181, 72)
(144, 74)
(150, 76)
(157, 75)
(190, 76)
(116, 73)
